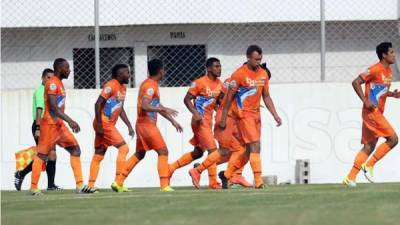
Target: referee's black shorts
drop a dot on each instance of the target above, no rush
(33, 132)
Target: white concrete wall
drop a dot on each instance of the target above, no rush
(58, 13)
(321, 122)
(291, 49)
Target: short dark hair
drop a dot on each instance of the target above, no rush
(211, 61)
(116, 69)
(46, 71)
(58, 62)
(383, 48)
(253, 48)
(154, 66)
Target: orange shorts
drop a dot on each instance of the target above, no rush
(375, 126)
(148, 137)
(237, 143)
(250, 128)
(55, 134)
(111, 137)
(203, 136)
(229, 137)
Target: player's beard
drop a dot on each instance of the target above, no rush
(255, 67)
(64, 76)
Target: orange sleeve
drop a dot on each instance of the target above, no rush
(107, 91)
(194, 88)
(148, 90)
(235, 81)
(369, 75)
(52, 88)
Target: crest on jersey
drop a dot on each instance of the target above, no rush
(53, 86)
(107, 90)
(226, 84)
(233, 83)
(193, 84)
(150, 91)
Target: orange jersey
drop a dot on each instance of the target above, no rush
(224, 90)
(114, 93)
(233, 108)
(249, 86)
(206, 92)
(148, 89)
(377, 83)
(53, 86)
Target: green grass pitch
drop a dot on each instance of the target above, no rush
(377, 204)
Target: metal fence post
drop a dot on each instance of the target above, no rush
(323, 51)
(97, 43)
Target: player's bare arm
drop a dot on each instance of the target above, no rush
(271, 107)
(188, 100)
(39, 111)
(146, 106)
(358, 89)
(229, 97)
(171, 119)
(125, 119)
(97, 109)
(394, 94)
(220, 98)
(53, 107)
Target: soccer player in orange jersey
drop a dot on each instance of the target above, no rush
(249, 84)
(231, 144)
(231, 135)
(225, 140)
(53, 130)
(108, 108)
(148, 135)
(201, 100)
(38, 111)
(230, 139)
(377, 81)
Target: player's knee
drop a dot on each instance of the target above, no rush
(140, 155)
(100, 151)
(52, 155)
(42, 156)
(254, 147)
(75, 151)
(224, 152)
(197, 153)
(368, 148)
(162, 152)
(211, 150)
(393, 140)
